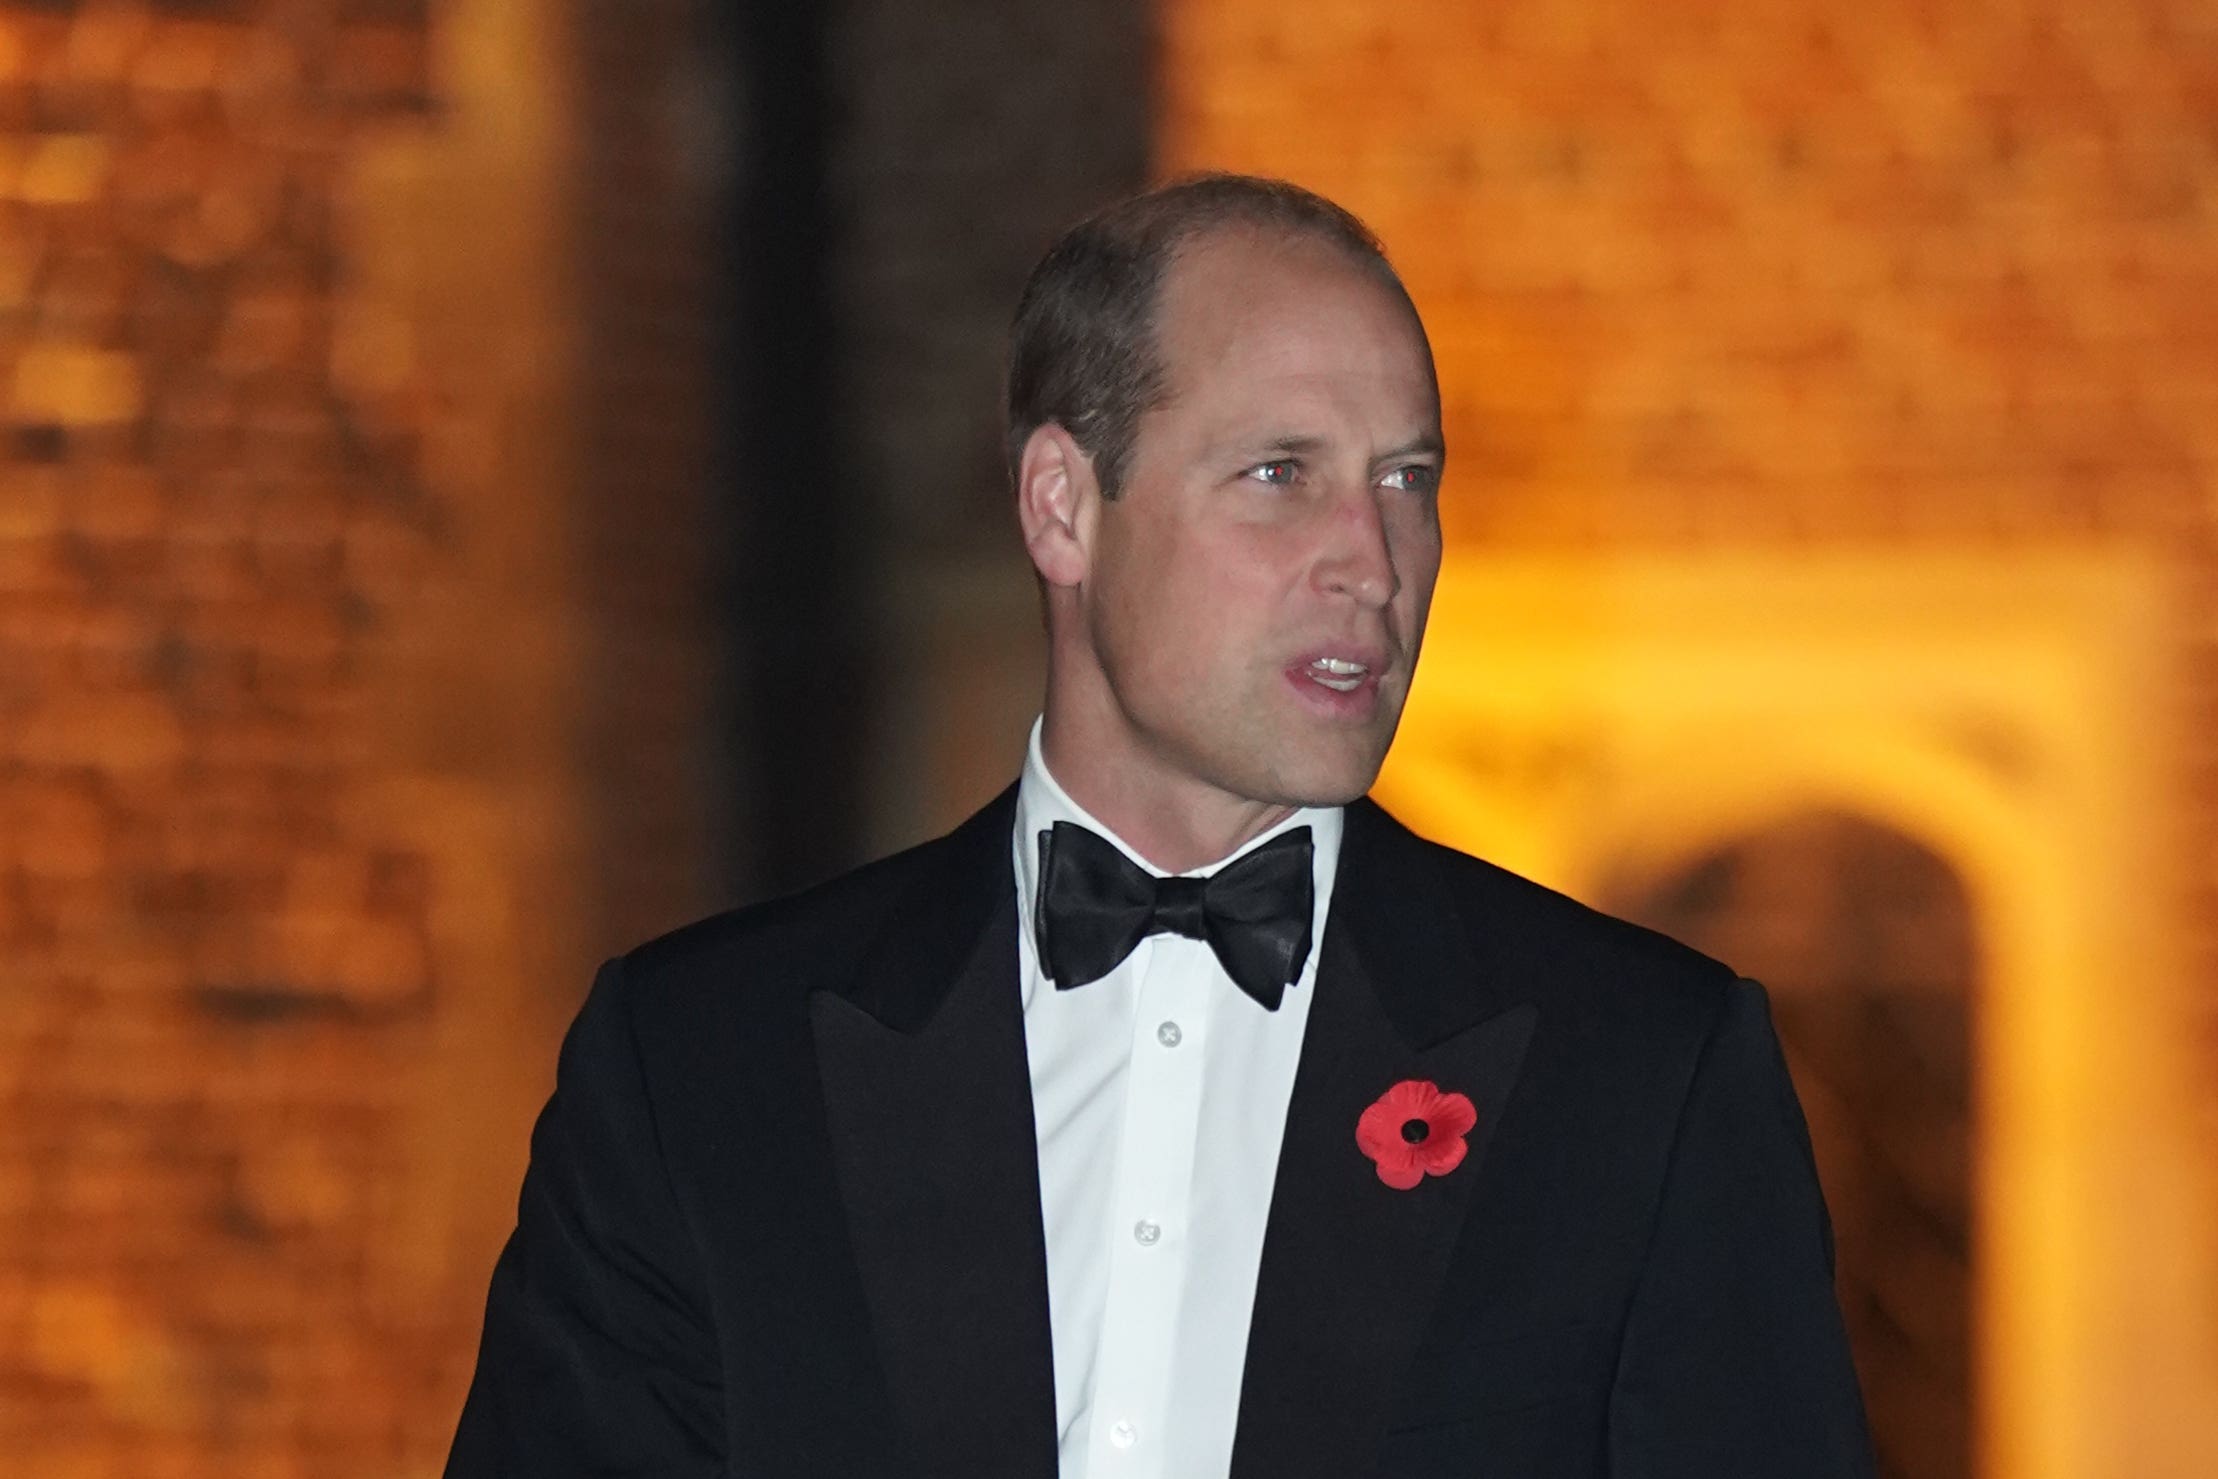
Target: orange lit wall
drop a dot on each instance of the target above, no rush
(1766, 272)
(1832, 400)
(212, 490)
(306, 643)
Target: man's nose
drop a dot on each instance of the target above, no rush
(1358, 558)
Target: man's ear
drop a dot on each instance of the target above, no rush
(1056, 492)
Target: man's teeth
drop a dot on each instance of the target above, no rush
(1338, 674)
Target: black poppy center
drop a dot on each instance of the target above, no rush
(1415, 1131)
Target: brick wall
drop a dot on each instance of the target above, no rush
(209, 496)
(1761, 273)
(313, 637)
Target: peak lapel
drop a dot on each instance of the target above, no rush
(1350, 1266)
(930, 1106)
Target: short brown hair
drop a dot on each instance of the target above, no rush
(1082, 350)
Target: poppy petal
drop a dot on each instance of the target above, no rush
(1444, 1155)
(1410, 1098)
(1400, 1172)
(1378, 1132)
(1454, 1115)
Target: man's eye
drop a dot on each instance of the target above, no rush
(1417, 477)
(1278, 474)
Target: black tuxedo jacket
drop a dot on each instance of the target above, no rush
(783, 1219)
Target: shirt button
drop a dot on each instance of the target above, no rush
(1168, 1034)
(1146, 1233)
(1123, 1434)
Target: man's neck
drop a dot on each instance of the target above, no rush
(1178, 825)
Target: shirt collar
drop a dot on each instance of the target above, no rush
(1042, 802)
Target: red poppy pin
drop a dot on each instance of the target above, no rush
(1414, 1131)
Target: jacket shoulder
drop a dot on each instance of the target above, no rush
(1573, 955)
(827, 918)
(771, 955)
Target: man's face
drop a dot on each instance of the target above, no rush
(1256, 593)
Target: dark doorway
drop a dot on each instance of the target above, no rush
(1865, 939)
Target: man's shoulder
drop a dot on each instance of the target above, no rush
(774, 953)
(825, 920)
(1550, 947)
(1544, 919)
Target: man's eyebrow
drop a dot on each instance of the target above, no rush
(1298, 444)
(1424, 444)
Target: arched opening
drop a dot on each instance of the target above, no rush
(1866, 940)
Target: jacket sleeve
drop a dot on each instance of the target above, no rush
(1733, 1359)
(598, 1357)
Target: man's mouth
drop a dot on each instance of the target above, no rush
(1340, 674)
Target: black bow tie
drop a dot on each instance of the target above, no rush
(1095, 904)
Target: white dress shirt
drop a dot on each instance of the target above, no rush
(1159, 1096)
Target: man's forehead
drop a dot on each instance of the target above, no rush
(1254, 269)
(1228, 284)
(1253, 319)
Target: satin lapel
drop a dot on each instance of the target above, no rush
(932, 1134)
(1350, 1266)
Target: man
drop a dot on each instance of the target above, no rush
(1336, 1153)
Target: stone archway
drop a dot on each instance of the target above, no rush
(1866, 940)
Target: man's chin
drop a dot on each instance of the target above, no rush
(1328, 780)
